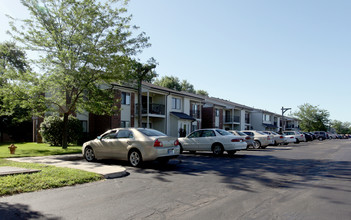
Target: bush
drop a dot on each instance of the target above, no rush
(52, 130)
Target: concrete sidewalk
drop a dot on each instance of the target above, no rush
(75, 161)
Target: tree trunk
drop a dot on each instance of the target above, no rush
(140, 124)
(65, 131)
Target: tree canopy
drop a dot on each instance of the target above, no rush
(84, 46)
(312, 118)
(174, 83)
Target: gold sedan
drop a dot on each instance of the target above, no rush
(132, 144)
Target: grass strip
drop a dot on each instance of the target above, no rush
(32, 149)
(49, 177)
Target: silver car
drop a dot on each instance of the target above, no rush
(132, 144)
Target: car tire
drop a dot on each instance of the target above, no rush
(217, 150)
(263, 147)
(89, 154)
(231, 152)
(180, 149)
(256, 145)
(275, 143)
(297, 141)
(134, 157)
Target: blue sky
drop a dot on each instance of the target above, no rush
(263, 54)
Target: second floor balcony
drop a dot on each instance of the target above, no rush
(231, 119)
(154, 109)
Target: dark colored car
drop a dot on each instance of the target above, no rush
(308, 136)
(321, 135)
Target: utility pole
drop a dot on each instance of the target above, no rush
(283, 111)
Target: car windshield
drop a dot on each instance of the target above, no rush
(223, 132)
(150, 132)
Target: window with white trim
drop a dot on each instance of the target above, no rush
(125, 98)
(176, 103)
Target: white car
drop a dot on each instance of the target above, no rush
(299, 137)
(277, 138)
(262, 140)
(215, 140)
(132, 144)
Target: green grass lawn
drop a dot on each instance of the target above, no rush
(49, 177)
(31, 149)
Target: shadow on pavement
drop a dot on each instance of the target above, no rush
(241, 171)
(20, 211)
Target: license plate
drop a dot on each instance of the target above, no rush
(170, 151)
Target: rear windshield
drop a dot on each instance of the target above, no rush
(260, 132)
(241, 133)
(151, 133)
(223, 132)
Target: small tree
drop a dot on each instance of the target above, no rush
(52, 130)
(142, 72)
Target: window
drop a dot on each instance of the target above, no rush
(85, 126)
(125, 98)
(223, 132)
(111, 135)
(125, 124)
(176, 104)
(217, 112)
(195, 134)
(266, 117)
(125, 134)
(151, 133)
(208, 133)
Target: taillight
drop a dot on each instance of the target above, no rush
(176, 142)
(291, 137)
(237, 140)
(158, 143)
(248, 138)
(281, 137)
(268, 138)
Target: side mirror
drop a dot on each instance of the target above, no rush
(98, 137)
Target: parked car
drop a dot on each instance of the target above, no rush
(308, 136)
(277, 138)
(215, 140)
(321, 135)
(261, 140)
(247, 138)
(132, 144)
(299, 136)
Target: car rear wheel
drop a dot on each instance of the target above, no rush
(257, 145)
(89, 154)
(180, 149)
(217, 150)
(135, 158)
(297, 141)
(231, 152)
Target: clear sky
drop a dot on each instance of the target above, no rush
(264, 54)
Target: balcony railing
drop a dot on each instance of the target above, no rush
(230, 119)
(155, 109)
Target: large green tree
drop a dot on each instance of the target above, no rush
(312, 118)
(174, 83)
(84, 46)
